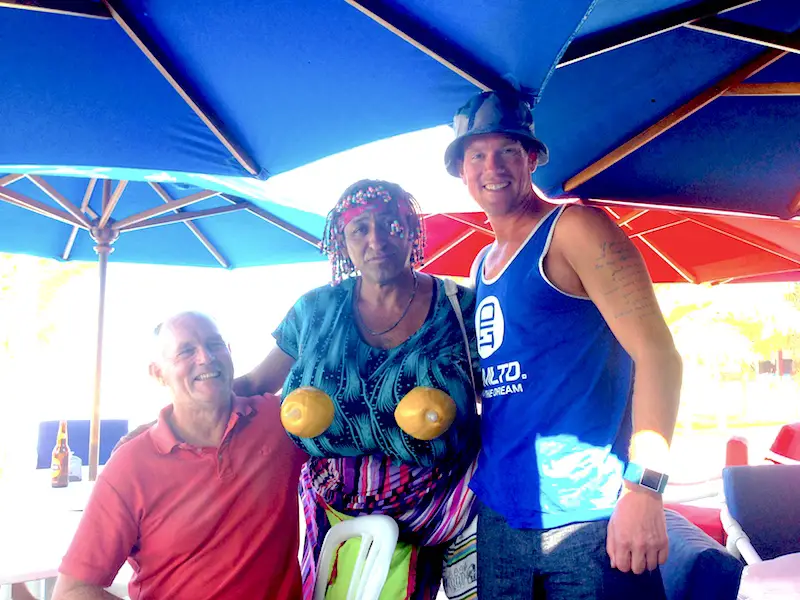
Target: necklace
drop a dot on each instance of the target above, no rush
(402, 316)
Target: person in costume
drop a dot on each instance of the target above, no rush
(378, 385)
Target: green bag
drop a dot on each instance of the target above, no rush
(397, 582)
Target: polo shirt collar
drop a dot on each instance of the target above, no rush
(164, 438)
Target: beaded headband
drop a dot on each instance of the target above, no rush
(358, 199)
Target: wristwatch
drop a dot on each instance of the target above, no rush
(647, 478)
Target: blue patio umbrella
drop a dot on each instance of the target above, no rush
(251, 88)
(146, 222)
(686, 103)
(668, 103)
(203, 92)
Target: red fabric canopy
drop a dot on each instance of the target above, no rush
(677, 246)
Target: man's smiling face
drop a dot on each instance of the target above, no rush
(195, 361)
(497, 171)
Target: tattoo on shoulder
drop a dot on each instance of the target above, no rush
(629, 280)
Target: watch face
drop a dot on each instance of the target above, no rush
(651, 479)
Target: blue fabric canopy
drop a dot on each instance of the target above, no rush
(261, 87)
(737, 153)
(285, 81)
(241, 238)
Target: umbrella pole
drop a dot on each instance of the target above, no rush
(104, 238)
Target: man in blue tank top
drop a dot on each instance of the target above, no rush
(574, 451)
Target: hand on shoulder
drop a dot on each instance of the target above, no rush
(133, 434)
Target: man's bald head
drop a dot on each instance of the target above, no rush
(192, 358)
(163, 331)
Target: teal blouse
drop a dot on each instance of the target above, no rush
(367, 383)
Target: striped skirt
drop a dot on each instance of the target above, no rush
(431, 505)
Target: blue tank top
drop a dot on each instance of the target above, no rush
(557, 386)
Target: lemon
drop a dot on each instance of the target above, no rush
(425, 413)
(307, 412)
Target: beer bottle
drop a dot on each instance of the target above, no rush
(60, 465)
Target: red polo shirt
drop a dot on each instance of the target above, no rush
(194, 522)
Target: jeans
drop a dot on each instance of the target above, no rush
(564, 563)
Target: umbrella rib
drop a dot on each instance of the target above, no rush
(457, 219)
(414, 33)
(157, 211)
(105, 195)
(676, 116)
(765, 247)
(778, 40)
(660, 228)
(75, 8)
(23, 201)
(70, 243)
(631, 218)
(667, 259)
(625, 35)
(765, 89)
(110, 204)
(274, 220)
(448, 248)
(184, 216)
(201, 237)
(12, 178)
(87, 195)
(159, 61)
(669, 207)
(60, 200)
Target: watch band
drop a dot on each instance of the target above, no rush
(647, 478)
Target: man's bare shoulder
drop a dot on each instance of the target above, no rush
(581, 217)
(581, 226)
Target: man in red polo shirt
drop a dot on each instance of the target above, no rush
(204, 504)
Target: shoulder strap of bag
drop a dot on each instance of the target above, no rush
(451, 289)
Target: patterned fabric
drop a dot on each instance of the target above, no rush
(431, 506)
(364, 463)
(367, 383)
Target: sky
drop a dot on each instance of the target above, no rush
(413, 160)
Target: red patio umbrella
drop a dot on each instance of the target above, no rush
(678, 246)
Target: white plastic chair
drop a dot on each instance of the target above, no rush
(738, 542)
(378, 535)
